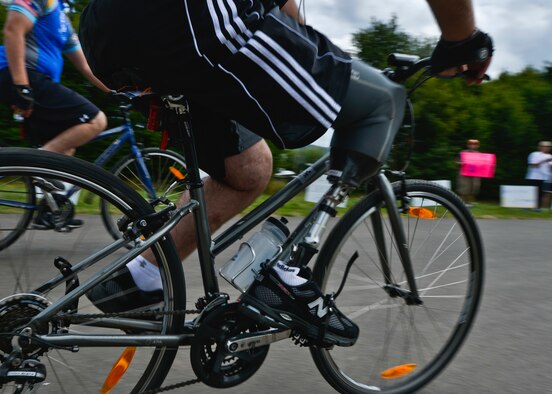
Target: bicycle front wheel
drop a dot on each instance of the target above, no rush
(33, 278)
(152, 180)
(401, 347)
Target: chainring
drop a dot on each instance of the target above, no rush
(60, 219)
(211, 362)
(16, 311)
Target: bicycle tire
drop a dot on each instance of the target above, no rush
(11, 230)
(157, 162)
(89, 366)
(14, 225)
(401, 348)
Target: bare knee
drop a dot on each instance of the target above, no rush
(250, 171)
(99, 123)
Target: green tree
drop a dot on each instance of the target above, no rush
(380, 39)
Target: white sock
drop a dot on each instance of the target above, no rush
(289, 275)
(145, 274)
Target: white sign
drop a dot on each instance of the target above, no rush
(518, 196)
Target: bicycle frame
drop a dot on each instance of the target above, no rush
(208, 248)
(127, 136)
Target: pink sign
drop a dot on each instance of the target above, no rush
(481, 165)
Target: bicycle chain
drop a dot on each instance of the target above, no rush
(74, 316)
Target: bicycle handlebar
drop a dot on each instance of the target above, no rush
(404, 66)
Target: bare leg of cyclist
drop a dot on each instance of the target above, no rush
(247, 175)
(76, 136)
(66, 143)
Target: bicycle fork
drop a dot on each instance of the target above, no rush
(411, 296)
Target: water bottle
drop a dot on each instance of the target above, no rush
(240, 270)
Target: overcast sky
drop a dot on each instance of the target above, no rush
(521, 29)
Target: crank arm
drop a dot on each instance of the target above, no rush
(254, 340)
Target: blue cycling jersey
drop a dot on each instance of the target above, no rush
(51, 36)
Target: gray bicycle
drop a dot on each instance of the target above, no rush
(405, 264)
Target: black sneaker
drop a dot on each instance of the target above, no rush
(44, 222)
(120, 294)
(64, 220)
(303, 308)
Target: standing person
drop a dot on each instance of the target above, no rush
(468, 186)
(37, 34)
(539, 171)
(256, 62)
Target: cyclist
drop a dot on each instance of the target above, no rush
(36, 34)
(256, 62)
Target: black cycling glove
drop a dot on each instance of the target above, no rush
(23, 97)
(449, 54)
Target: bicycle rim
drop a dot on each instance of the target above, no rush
(29, 263)
(17, 205)
(163, 168)
(402, 347)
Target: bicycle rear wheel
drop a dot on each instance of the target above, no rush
(160, 166)
(17, 205)
(401, 347)
(28, 278)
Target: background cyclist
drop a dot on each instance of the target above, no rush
(37, 34)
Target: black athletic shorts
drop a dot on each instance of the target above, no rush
(282, 80)
(56, 108)
(218, 138)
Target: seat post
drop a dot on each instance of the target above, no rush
(180, 107)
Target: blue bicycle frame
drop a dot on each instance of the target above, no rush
(127, 136)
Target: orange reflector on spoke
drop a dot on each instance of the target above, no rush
(118, 370)
(180, 176)
(422, 213)
(398, 372)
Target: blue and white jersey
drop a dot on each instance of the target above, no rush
(51, 36)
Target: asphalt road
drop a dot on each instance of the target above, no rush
(509, 349)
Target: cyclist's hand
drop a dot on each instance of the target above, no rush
(23, 100)
(470, 57)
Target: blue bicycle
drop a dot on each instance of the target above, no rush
(153, 172)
